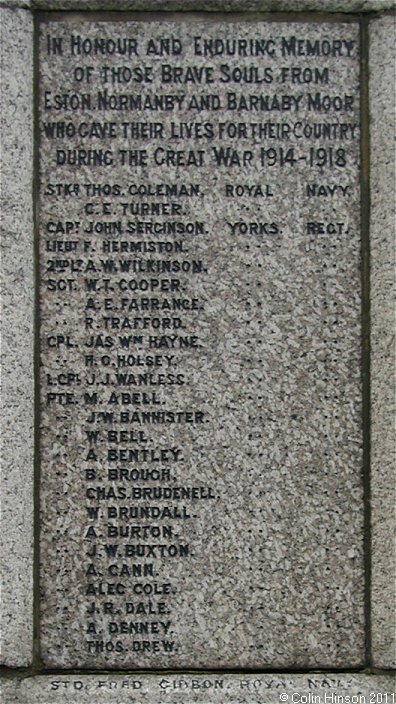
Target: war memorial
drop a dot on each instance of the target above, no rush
(198, 352)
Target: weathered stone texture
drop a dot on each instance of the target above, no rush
(196, 689)
(15, 3)
(383, 444)
(208, 5)
(273, 575)
(17, 336)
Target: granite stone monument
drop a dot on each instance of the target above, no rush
(205, 480)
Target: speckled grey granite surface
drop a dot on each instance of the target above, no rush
(208, 5)
(265, 568)
(17, 295)
(382, 221)
(17, 629)
(317, 688)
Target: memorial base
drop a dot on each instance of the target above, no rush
(213, 688)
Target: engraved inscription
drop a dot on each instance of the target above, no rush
(200, 436)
